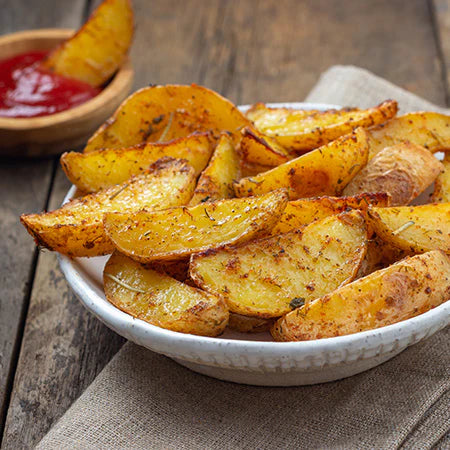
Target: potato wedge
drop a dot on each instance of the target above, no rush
(404, 171)
(428, 129)
(76, 229)
(252, 169)
(101, 169)
(270, 277)
(178, 232)
(164, 113)
(161, 300)
(246, 324)
(441, 192)
(399, 292)
(417, 229)
(99, 47)
(324, 171)
(216, 181)
(300, 213)
(257, 148)
(302, 131)
(263, 116)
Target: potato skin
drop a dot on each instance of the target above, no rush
(415, 229)
(216, 181)
(300, 213)
(164, 113)
(174, 233)
(428, 129)
(399, 292)
(301, 131)
(101, 169)
(161, 300)
(76, 229)
(265, 278)
(441, 192)
(404, 171)
(324, 171)
(99, 47)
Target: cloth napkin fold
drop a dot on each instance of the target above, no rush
(145, 400)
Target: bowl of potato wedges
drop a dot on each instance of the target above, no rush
(277, 245)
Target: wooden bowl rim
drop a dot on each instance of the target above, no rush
(119, 83)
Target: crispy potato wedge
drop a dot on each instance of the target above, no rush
(164, 113)
(324, 171)
(428, 129)
(76, 229)
(441, 192)
(417, 229)
(404, 171)
(161, 300)
(99, 47)
(302, 130)
(263, 150)
(269, 277)
(300, 213)
(178, 232)
(101, 169)
(399, 292)
(216, 181)
(246, 324)
(263, 116)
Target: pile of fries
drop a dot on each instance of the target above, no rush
(293, 221)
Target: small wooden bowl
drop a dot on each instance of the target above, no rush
(48, 135)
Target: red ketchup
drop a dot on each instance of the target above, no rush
(27, 90)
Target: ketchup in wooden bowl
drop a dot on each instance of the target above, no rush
(29, 90)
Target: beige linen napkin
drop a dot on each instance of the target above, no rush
(145, 400)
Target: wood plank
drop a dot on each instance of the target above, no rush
(441, 11)
(24, 185)
(270, 51)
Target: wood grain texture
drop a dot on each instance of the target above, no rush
(24, 186)
(441, 11)
(271, 50)
(64, 348)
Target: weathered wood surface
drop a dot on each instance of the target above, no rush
(441, 12)
(24, 187)
(272, 50)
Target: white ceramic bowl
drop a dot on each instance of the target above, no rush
(254, 359)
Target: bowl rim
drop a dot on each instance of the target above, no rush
(163, 340)
(121, 79)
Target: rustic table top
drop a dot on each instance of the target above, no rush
(271, 50)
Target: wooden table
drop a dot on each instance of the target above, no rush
(272, 50)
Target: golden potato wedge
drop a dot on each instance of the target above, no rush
(270, 277)
(417, 229)
(300, 213)
(264, 117)
(161, 300)
(428, 129)
(404, 171)
(164, 113)
(216, 181)
(76, 229)
(324, 171)
(441, 192)
(257, 148)
(178, 232)
(302, 131)
(399, 292)
(99, 47)
(246, 324)
(101, 169)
